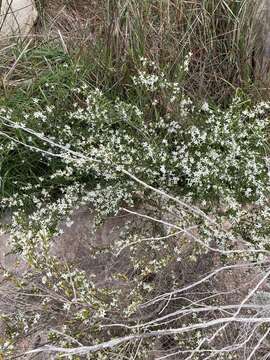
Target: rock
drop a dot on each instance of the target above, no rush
(260, 36)
(17, 17)
(80, 237)
(9, 261)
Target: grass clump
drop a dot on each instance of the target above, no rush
(114, 35)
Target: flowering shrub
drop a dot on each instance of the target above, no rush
(105, 152)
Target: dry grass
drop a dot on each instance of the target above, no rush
(219, 33)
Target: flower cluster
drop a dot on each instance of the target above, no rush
(90, 153)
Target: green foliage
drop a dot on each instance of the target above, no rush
(71, 145)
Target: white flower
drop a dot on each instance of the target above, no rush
(69, 223)
(205, 107)
(67, 306)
